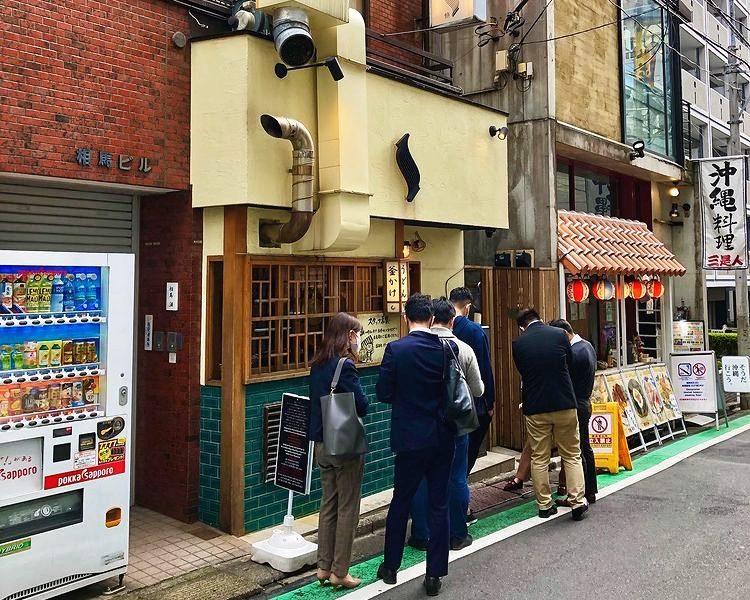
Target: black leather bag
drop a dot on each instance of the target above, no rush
(343, 430)
(460, 408)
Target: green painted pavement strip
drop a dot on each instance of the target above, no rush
(367, 570)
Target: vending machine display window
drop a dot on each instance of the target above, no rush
(51, 343)
(40, 515)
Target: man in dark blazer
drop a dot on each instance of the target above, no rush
(543, 357)
(472, 334)
(582, 375)
(411, 381)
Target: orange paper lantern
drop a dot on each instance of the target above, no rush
(637, 289)
(622, 290)
(577, 291)
(603, 289)
(655, 289)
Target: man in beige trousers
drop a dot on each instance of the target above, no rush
(543, 357)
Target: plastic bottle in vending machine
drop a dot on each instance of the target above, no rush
(45, 293)
(80, 295)
(33, 291)
(69, 293)
(19, 293)
(92, 292)
(6, 293)
(58, 293)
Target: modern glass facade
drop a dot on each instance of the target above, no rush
(649, 70)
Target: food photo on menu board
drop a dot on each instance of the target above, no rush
(638, 398)
(666, 391)
(619, 395)
(655, 402)
(599, 393)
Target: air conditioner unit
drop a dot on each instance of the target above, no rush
(445, 13)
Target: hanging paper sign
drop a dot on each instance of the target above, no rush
(396, 285)
(723, 207)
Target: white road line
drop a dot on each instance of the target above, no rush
(417, 571)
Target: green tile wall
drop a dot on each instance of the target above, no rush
(265, 505)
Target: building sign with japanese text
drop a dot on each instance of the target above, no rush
(88, 157)
(723, 209)
(396, 285)
(379, 331)
(735, 372)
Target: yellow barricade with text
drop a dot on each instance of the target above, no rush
(607, 437)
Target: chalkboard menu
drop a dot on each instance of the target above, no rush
(294, 458)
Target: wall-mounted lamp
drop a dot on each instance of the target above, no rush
(686, 209)
(418, 244)
(406, 252)
(674, 191)
(499, 132)
(332, 64)
(639, 150)
(674, 213)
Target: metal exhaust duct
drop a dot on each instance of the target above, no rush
(303, 177)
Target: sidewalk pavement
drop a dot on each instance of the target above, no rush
(170, 560)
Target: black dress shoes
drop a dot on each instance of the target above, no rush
(591, 498)
(432, 585)
(579, 512)
(546, 513)
(387, 575)
(457, 544)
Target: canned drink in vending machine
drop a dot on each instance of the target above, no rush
(54, 393)
(79, 353)
(66, 394)
(42, 403)
(77, 400)
(91, 354)
(90, 391)
(67, 352)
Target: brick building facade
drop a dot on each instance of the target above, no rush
(84, 86)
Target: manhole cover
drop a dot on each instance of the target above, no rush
(487, 497)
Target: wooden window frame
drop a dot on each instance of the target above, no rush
(251, 374)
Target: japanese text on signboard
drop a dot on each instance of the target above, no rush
(724, 222)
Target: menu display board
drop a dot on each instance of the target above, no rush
(666, 391)
(653, 398)
(619, 395)
(294, 458)
(688, 336)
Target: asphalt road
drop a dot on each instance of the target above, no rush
(681, 534)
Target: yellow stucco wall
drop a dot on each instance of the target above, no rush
(588, 67)
(442, 258)
(233, 161)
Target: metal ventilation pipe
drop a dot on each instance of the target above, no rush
(291, 35)
(303, 177)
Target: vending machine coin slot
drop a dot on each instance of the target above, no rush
(60, 452)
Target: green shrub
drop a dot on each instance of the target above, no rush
(724, 344)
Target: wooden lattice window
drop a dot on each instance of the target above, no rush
(291, 301)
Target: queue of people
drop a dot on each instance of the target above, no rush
(432, 461)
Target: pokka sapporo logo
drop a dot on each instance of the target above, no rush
(15, 547)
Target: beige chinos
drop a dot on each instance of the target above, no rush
(341, 478)
(560, 427)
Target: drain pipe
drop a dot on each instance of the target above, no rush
(303, 179)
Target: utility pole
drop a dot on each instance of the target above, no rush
(734, 148)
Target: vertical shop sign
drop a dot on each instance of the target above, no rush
(723, 208)
(735, 371)
(172, 296)
(396, 285)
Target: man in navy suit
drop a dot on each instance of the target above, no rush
(472, 334)
(543, 357)
(582, 375)
(411, 381)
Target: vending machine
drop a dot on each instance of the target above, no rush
(66, 356)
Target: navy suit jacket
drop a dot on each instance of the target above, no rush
(321, 377)
(411, 381)
(543, 356)
(472, 333)
(582, 372)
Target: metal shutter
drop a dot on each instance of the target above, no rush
(35, 218)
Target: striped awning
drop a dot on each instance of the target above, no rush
(595, 245)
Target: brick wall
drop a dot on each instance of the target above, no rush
(390, 16)
(168, 395)
(94, 74)
(265, 505)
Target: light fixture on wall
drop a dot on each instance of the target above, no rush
(638, 151)
(674, 213)
(686, 209)
(499, 132)
(674, 191)
(332, 64)
(406, 252)
(418, 244)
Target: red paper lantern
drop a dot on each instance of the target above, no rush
(577, 291)
(637, 290)
(603, 289)
(622, 290)
(655, 289)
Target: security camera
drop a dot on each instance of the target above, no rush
(639, 150)
(291, 35)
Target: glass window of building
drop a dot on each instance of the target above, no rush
(649, 98)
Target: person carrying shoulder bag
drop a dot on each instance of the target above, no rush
(339, 446)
